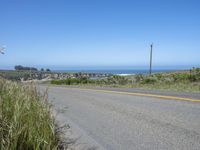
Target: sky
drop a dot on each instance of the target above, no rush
(67, 34)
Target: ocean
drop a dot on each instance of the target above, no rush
(118, 71)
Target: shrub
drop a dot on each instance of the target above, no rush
(159, 76)
(139, 77)
(149, 80)
(180, 76)
(116, 79)
(195, 74)
(58, 82)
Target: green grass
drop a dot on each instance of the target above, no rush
(26, 122)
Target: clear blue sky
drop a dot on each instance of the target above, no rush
(80, 33)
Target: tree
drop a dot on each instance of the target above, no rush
(42, 69)
(19, 67)
(48, 70)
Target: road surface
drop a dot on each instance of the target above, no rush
(119, 121)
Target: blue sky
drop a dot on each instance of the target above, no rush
(99, 33)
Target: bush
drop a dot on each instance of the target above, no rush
(181, 76)
(139, 77)
(159, 76)
(116, 79)
(149, 80)
(58, 82)
(195, 74)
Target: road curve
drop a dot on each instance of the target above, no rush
(130, 122)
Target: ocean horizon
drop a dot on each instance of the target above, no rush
(118, 71)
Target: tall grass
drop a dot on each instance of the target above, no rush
(25, 119)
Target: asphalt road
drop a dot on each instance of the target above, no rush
(116, 121)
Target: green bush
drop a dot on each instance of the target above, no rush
(58, 82)
(195, 74)
(181, 76)
(149, 80)
(159, 76)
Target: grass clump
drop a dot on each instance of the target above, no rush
(26, 122)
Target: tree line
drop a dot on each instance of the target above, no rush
(23, 68)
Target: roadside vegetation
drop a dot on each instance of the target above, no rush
(16, 75)
(112, 80)
(19, 73)
(26, 122)
(186, 81)
(73, 81)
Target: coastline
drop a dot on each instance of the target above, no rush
(122, 72)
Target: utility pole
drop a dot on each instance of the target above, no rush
(151, 51)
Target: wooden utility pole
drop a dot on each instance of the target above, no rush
(150, 67)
